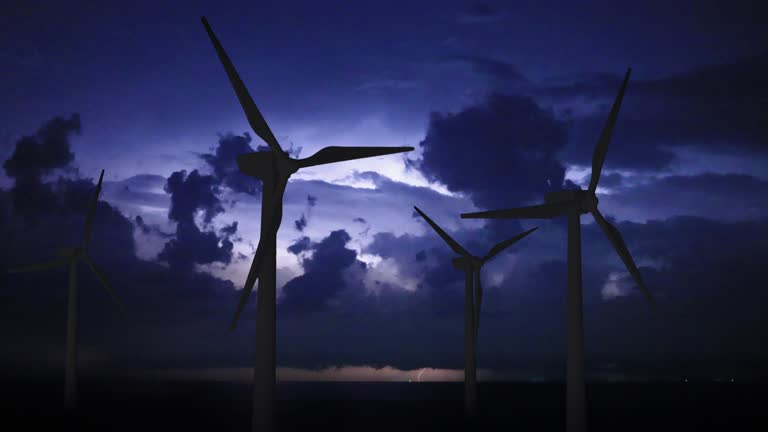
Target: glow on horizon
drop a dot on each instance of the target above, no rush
(329, 374)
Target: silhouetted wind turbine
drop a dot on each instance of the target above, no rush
(273, 168)
(70, 257)
(574, 203)
(471, 266)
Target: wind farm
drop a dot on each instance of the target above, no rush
(574, 203)
(272, 249)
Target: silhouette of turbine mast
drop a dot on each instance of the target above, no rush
(473, 298)
(70, 257)
(273, 168)
(574, 203)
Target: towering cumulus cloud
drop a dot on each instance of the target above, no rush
(192, 193)
(524, 137)
(322, 279)
(36, 156)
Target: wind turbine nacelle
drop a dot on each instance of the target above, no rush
(257, 164)
(584, 200)
(466, 263)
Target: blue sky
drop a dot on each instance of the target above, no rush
(503, 103)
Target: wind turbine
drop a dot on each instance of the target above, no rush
(273, 168)
(473, 297)
(70, 257)
(574, 203)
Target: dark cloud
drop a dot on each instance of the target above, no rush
(359, 220)
(718, 107)
(300, 223)
(190, 193)
(303, 220)
(502, 152)
(193, 246)
(322, 278)
(224, 163)
(33, 157)
(300, 245)
(43, 152)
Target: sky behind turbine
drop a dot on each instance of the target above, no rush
(503, 102)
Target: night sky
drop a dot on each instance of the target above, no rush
(503, 101)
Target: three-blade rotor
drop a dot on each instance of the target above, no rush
(79, 253)
(284, 165)
(477, 262)
(554, 209)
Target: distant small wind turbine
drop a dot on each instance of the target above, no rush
(273, 168)
(70, 257)
(473, 297)
(574, 203)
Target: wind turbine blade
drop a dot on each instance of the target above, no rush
(598, 157)
(255, 119)
(91, 212)
(478, 300)
(253, 273)
(451, 242)
(621, 249)
(543, 211)
(333, 154)
(107, 285)
(39, 266)
(250, 281)
(506, 243)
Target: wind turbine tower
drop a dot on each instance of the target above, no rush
(473, 297)
(273, 168)
(70, 257)
(573, 204)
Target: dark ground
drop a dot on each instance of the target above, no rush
(144, 405)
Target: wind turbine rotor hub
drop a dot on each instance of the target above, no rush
(259, 164)
(589, 202)
(477, 263)
(565, 195)
(461, 263)
(287, 165)
(467, 263)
